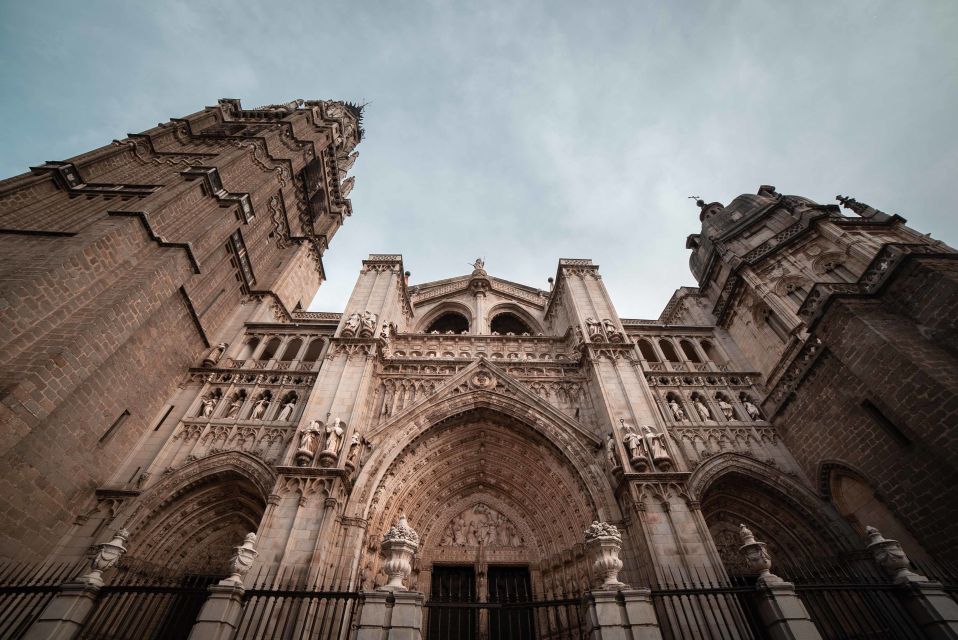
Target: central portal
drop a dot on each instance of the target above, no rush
(493, 604)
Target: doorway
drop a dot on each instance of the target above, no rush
(467, 605)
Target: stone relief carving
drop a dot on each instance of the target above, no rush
(481, 524)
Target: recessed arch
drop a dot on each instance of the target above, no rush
(668, 350)
(450, 309)
(508, 312)
(647, 350)
(190, 520)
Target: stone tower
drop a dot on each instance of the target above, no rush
(124, 265)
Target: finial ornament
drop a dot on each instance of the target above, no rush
(399, 545)
(756, 556)
(604, 542)
(107, 555)
(242, 560)
(891, 557)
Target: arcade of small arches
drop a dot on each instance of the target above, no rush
(272, 349)
(682, 351)
(504, 320)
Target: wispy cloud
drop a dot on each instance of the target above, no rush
(526, 132)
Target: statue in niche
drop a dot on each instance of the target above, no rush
(612, 452)
(334, 436)
(655, 446)
(368, 324)
(355, 449)
(208, 405)
(353, 322)
(215, 354)
(727, 409)
(753, 412)
(286, 411)
(703, 411)
(307, 443)
(259, 409)
(595, 329)
(677, 411)
(233, 410)
(634, 444)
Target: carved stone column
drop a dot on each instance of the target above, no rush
(223, 609)
(615, 611)
(928, 604)
(391, 612)
(782, 611)
(64, 616)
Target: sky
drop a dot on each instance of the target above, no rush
(524, 132)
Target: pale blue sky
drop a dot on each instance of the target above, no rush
(527, 131)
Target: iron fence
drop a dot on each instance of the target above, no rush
(291, 606)
(699, 604)
(25, 589)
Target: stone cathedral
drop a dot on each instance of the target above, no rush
(161, 377)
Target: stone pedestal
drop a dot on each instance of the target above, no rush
(934, 611)
(784, 613)
(221, 613)
(621, 615)
(393, 615)
(63, 617)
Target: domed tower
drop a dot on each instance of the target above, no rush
(850, 321)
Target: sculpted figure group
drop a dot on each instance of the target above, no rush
(481, 525)
(602, 330)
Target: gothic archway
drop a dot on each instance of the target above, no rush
(796, 525)
(190, 521)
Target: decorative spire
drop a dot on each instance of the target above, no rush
(862, 209)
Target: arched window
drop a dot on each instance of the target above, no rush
(506, 323)
(712, 352)
(689, 351)
(668, 351)
(313, 350)
(249, 349)
(647, 351)
(292, 350)
(449, 322)
(270, 351)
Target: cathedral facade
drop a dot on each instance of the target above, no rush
(161, 376)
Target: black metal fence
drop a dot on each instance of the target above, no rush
(25, 589)
(293, 606)
(699, 604)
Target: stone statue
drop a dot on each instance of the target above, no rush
(595, 329)
(384, 332)
(307, 443)
(209, 405)
(259, 409)
(655, 445)
(677, 410)
(334, 436)
(611, 452)
(353, 322)
(702, 409)
(286, 410)
(636, 447)
(215, 354)
(479, 266)
(459, 532)
(368, 324)
(355, 448)
(610, 331)
(727, 409)
(752, 410)
(234, 407)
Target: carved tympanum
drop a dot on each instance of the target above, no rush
(481, 524)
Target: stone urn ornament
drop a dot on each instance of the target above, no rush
(242, 560)
(891, 557)
(604, 542)
(756, 556)
(399, 545)
(107, 555)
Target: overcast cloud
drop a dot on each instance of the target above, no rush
(524, 132)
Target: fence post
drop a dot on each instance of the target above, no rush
(782, 611)
(392, 612)
(223, 609)
(934, 611)
(64, 616)
(615, 611)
